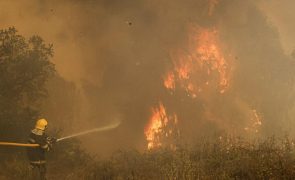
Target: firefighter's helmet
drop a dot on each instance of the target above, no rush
(41, 124)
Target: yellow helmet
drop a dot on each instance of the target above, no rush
(41, 124)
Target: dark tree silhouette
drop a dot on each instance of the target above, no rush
(24, 69)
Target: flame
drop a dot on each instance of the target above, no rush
(204, 63)
(202, 66)
(158, 129)
(169, 81)
(200, 69)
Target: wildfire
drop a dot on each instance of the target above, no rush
(204, 63)
(200, 69)
(160, 127)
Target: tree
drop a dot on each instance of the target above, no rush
(24, 69)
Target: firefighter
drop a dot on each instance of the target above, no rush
(36, 155)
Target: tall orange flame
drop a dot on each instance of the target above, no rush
(201, 69)
(202, 64)
(156, 131)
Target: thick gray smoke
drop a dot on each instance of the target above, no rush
(117, 52)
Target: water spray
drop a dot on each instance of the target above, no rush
(105, 128)
(100, 129)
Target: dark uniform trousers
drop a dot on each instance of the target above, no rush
(38, 171)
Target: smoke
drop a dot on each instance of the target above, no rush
(117, 52)
(280, 14)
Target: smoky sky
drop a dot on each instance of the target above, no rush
(281, 15)
(117, 52)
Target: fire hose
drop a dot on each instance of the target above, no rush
(100, 129)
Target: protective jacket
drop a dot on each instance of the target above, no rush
(36, 155)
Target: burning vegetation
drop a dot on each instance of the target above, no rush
(161, 128)
(217, 82)
(201, 67)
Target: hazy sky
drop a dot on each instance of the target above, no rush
(281, 14)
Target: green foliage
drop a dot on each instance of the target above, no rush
(24, 69)
(26, 78)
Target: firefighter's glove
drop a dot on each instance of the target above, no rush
(51, 141)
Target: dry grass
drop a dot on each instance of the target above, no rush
(230, 158)
(227, 158)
